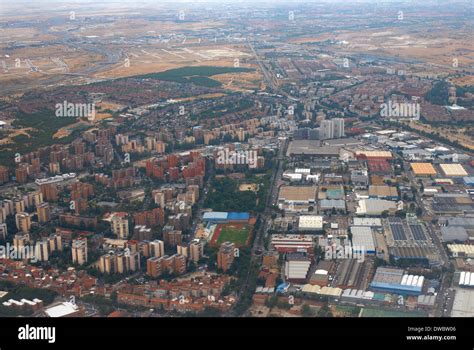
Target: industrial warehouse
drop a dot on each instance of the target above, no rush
(397, 281)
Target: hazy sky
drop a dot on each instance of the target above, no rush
(209, 1)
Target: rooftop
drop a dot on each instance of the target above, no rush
(468, 180)
(374, 206)
(423, 169)
(294, 193)
(453, 170)
(362, 238)
(311, 148)
(375, 154)
(332, 203)
(463, 305)
(310, 222)
(367, 222)
(454, 233)
(61, 310)
(383, 191)
(388, 275)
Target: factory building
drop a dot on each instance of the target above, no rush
(363, 240)
(466, 279)
(297, 267)
(375, 207)
(395, 281)
(292, 243)
(310, 223)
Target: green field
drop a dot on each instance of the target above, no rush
(45, 124)
(237, 235)
(196, 75)
(349, 311)
(370, 312)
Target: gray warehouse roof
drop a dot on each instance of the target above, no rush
(454, 233)
(333, 203)
(362, 237)
(458, 221)
(311, 148)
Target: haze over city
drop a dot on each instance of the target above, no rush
(237, 158)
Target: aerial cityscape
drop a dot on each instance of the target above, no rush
(237, 159)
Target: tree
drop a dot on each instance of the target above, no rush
(272, 301)
(306, 311)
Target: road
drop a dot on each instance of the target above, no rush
(445, 297)
(258, 244)
(272, 197)
(269, 79)
(200, 204)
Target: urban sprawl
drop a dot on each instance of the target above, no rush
(242, 161)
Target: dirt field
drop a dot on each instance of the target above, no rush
(37, 66)
(106, 105)
(422, 45)
(464, 81)
(248, 187)
(452, 134)
(14, 133)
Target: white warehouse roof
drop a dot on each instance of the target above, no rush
(367, 222)
(362, 237)
(466, 279)
(412, 280)
(61, 310)
(310, 222)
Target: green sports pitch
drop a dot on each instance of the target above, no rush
(237, 234)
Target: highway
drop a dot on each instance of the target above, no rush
(269, 79)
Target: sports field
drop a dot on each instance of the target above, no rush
(236, 233)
